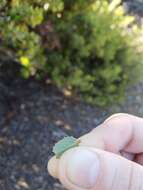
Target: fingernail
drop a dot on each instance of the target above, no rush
(83, 168)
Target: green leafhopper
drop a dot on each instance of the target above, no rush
(65, 144)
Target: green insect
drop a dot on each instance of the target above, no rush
(65, 144)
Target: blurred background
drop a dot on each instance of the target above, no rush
(65, 66)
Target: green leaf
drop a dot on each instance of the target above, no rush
(65, 144)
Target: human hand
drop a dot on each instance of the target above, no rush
(110, 157)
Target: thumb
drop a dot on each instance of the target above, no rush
(85, 168)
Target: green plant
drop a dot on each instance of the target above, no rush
(85, 46)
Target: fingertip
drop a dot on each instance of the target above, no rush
(52, 166)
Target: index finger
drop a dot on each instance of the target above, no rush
(121, 132)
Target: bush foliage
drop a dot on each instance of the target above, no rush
(87, 46)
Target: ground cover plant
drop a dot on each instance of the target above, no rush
(91, 48)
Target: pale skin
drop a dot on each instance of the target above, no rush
(110, 157)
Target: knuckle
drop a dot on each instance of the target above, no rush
(120, 120)
(116, 116)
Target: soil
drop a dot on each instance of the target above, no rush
(134, 6)
(33, 117)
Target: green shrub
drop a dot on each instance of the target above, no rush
(86, 46)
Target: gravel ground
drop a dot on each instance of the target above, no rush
(135, 6)
(33, 117)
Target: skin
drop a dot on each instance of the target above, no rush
(110, 157)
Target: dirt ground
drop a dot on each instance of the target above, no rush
(33, 117)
